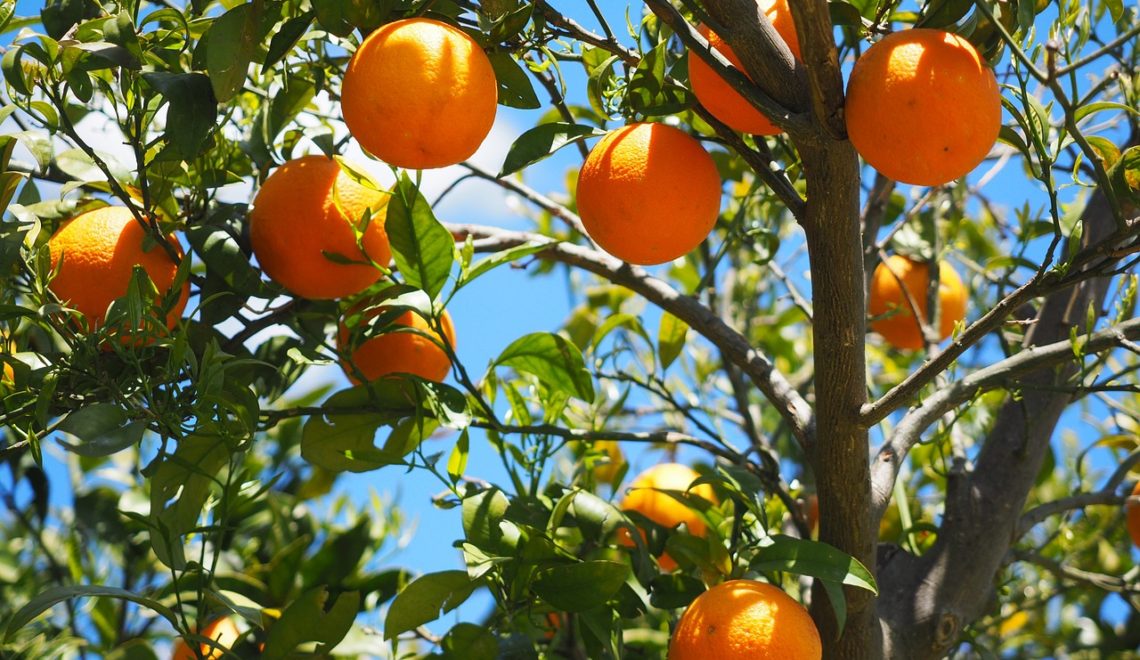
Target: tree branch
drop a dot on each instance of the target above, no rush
(1002, 373)
(788, 403)
(1106, 495)
(821, 60)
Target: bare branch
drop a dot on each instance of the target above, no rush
(1106, 495)
(821, 60)
(1002, 373)
(788, 402)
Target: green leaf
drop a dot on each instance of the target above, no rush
(423, 248)
(485, 525)
(308, 620)
(556, 362)
(541, 141)
(501, 257)
(55, 595)
(344, 441)
(674, 590)
(193, 110)
(580, 587)
(670, 339)
(102, 429)
(467, 641)
(649, 93)
(942, 13)
(282, 42)
(187, 474)
(457, 462)
(815, 559)
(838, 601)
(230, 45)
(515, 89)
(421, 601)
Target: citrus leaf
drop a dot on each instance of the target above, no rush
(541, 141)
(502, 257)
(230, 44)
(423, 248)
(812, 558)
(55, 595)
(552, 359)
(515, 89)
(671, 339)
(102, 429)
(580, 587)
(307, 620)
(421, 601)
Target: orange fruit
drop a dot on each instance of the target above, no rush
(419, 94)
(223, 631)
(718, 97)
(398, 351)
(901, 329)
(1132, 513)
(607, 472)
(644, 497)
(648, 193)
(99, 250)
(306, 210)
(745, 619)
(923, 107)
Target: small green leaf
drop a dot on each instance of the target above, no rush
(457, 462)
(485, 525)
(193, 110)
(502, 257)
(541, 141)
(102, 429)
(467, 641)
(552, 359)
(282, 42)
(580, 587)
(421, 601)
(55, 595)
(671, 339)
(815, 559)
(674, 590)
(515, 89)
(230, 45)
(308, 620)
(423, 248)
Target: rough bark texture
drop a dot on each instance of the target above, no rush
(926, 602)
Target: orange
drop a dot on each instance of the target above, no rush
(99, 250)
(399, 351)
(1132, 513)
(644, 497)
(223, 631)
(305, 211)
(923, 107)
(718, 97)
(648, 193)
(607, 472)
(742, 619)
(419, 94)
(900, 328)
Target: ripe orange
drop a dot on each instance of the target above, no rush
(99, 250)
(399, 351)
(1132, 513)
(307, 209)
(923, 107)
(648, 193)
(607, 472)
(900, 329)
(419, 94)
(745, 619)
(223, 631)
(724, 102)
(644, 497)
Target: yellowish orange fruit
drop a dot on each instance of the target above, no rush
(607, 472)
(923, 107)
(644, 497)
(223, 631)
(648, 193)
(900, 328)
(398, 350)
(96, 253)
(718, 97)
(1132, 515)
(745, 619)
(419, 94)
(303, 218)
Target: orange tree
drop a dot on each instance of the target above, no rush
(968, 482)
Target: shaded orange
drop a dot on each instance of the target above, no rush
(1132, 515)
(399, 351)
(419, 94)
(644, 497)
(99, 250)
(745, 619)
(718, 97)
(306, 208)
(648, 193)
(607, 472)
(901, 329)
(923, 107)
(223, 631)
